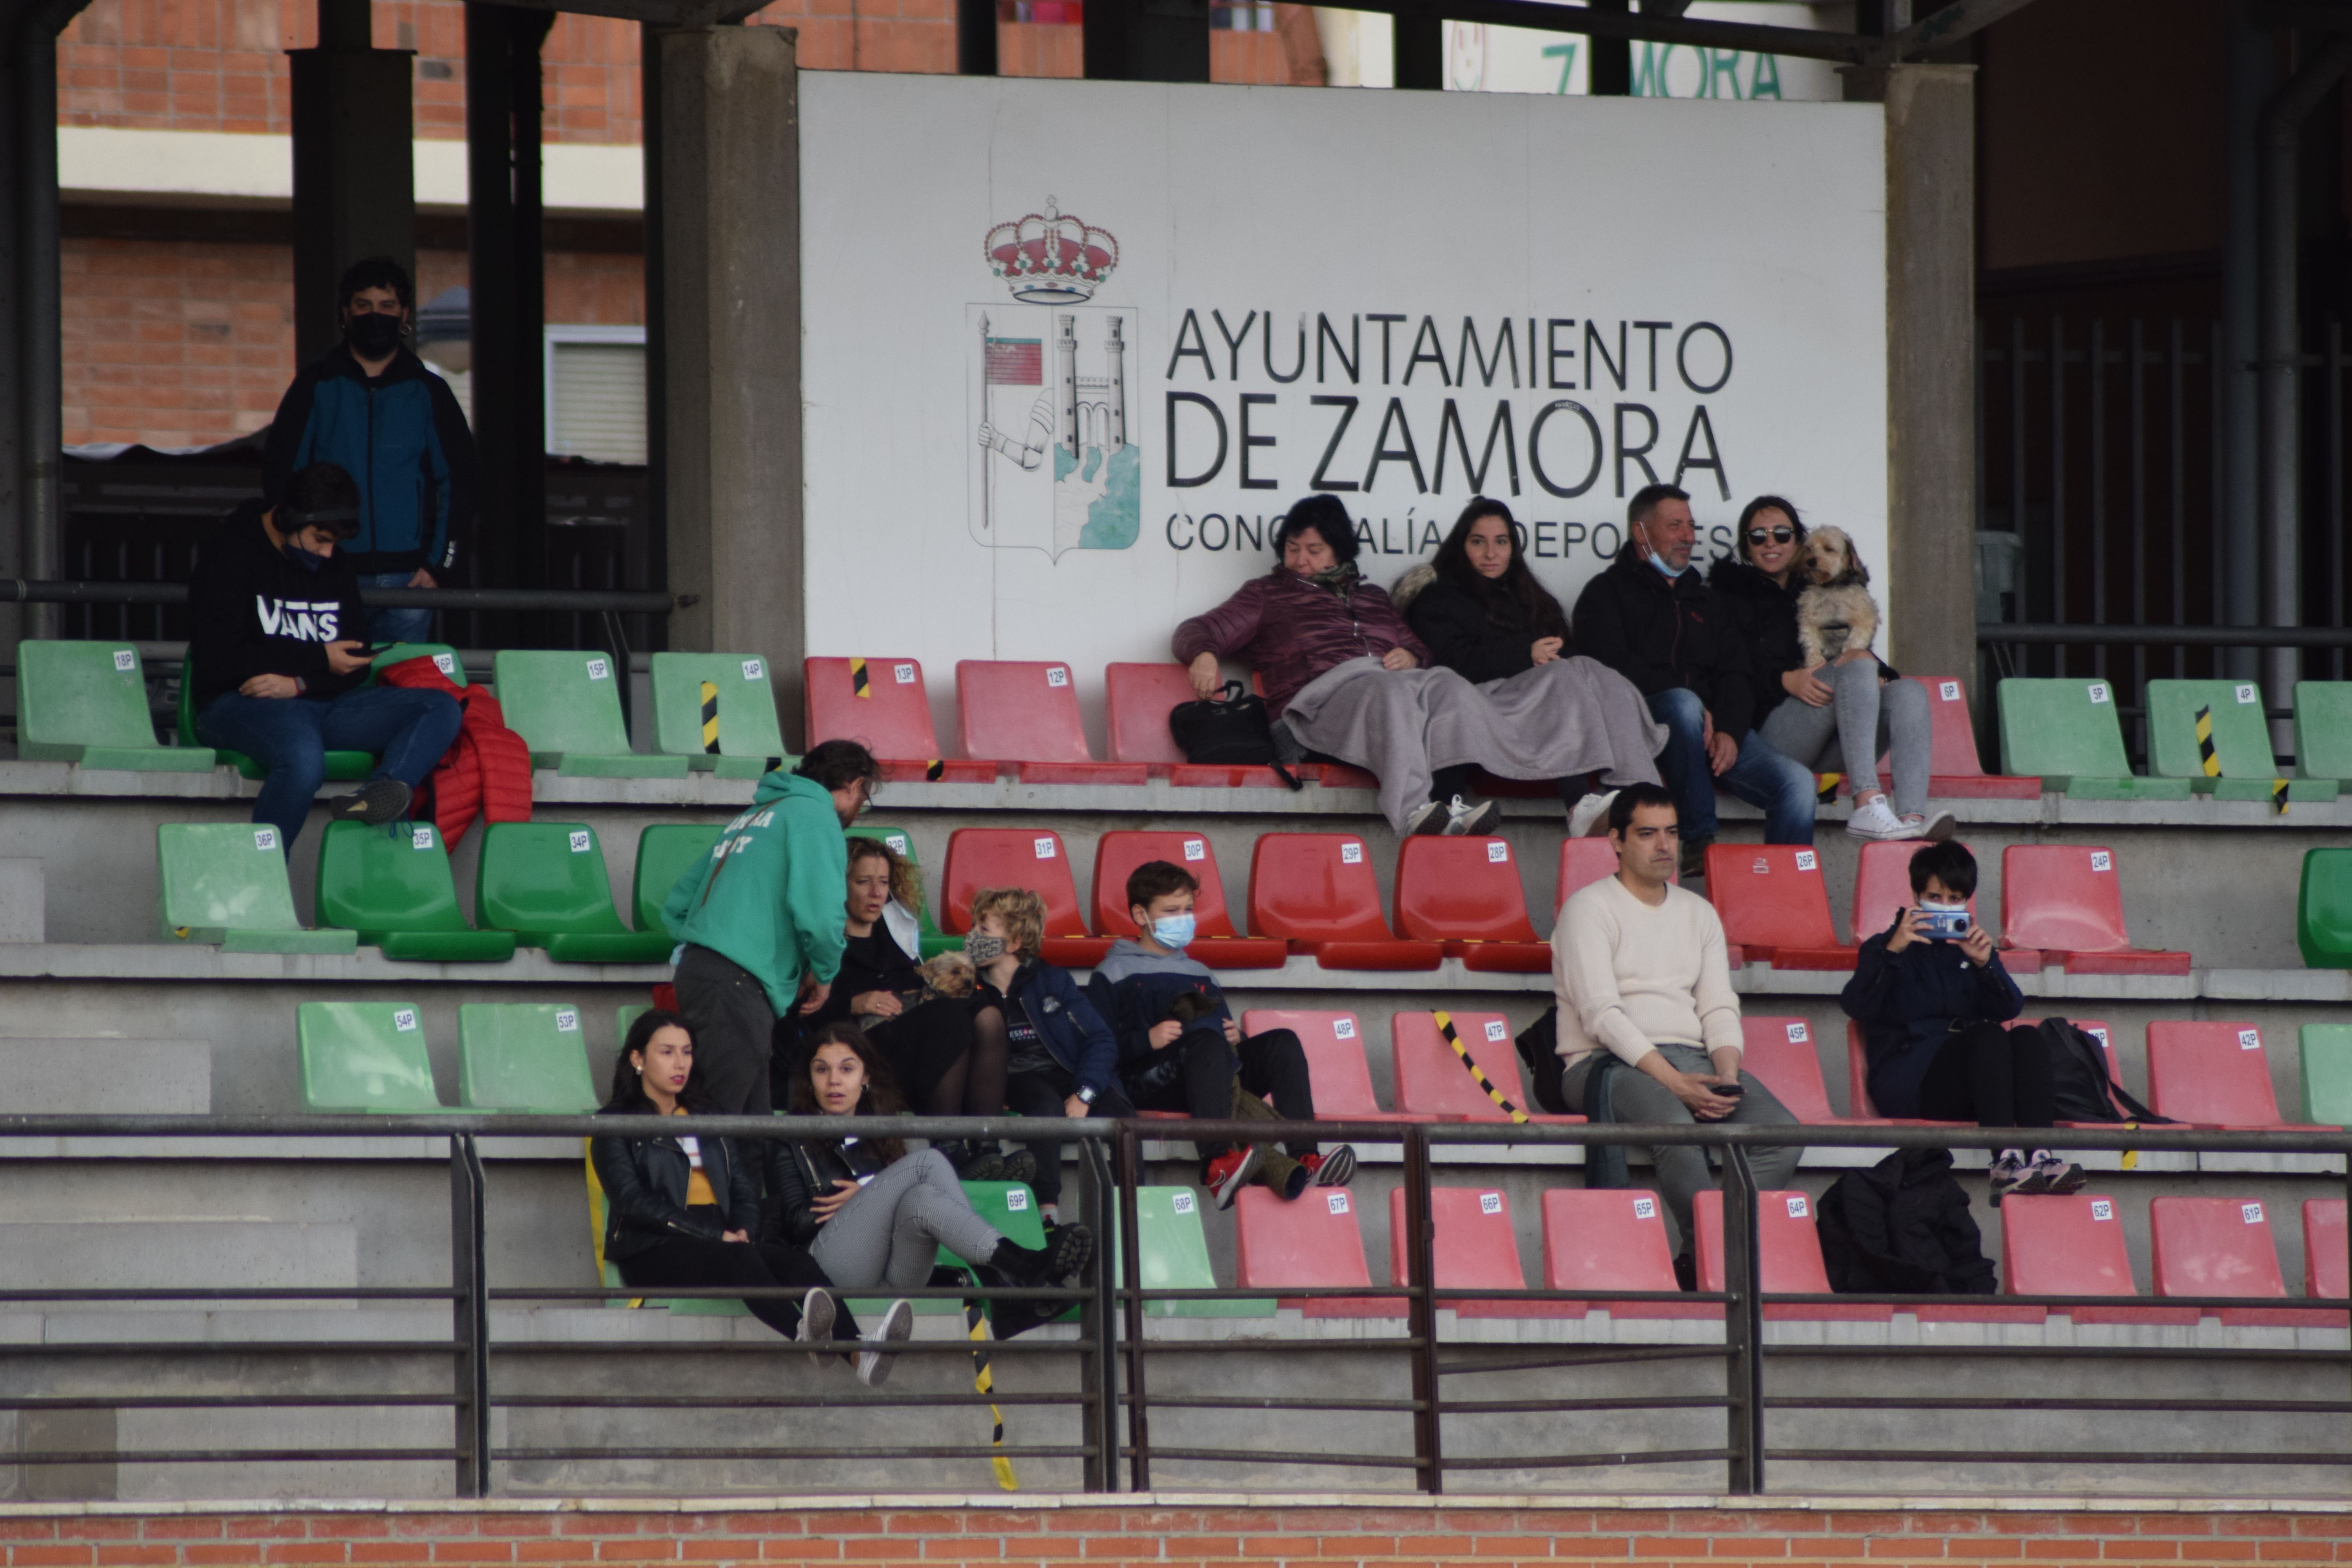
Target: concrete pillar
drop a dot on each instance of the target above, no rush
(1418, 43)
(1609, 62)
(1146, 40)
(1931, 498)
(354, 165)
(2250, 74)
(975, 37)
(728, 324)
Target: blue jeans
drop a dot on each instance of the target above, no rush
(408, 729)
(394, 626)
(1762, 776)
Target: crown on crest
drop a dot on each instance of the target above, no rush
(1051, 258)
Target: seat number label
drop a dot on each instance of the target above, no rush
(125, 660)
(1807, 860)
(598, 669)
(1337, 1202)
(1017, 1200)
(1045, 849)
(420, 838)
(1056, 676)
(264, 838)
(1797, 1209)
(404, 1020)
(2099, 1034)
(2101, 1209)
(2245, 694)
(1351, 854)
(1645, 1208)
(1497, 1031)
(2098, 691)
(2101, 861)
(2253, 1213)
(1490, 1202)
(579, 843)
(1343, 1028)
(1498, 852)
(1183, 1203)
(897, 843)
(445, 663)
(1196, 849)
(1797, 1035)
(1950, 690)
(753, 669)
(905, 673)
(2250, 1039)
(567, 1022)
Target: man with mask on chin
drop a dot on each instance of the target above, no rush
(278, 663)
(370, 405)
(1653, 619)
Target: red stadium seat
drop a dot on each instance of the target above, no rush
(2066, 900)
(1882, 885)
(1317, 892)
(2326, 1264)
(1310, 1241)
(881, 704)
(1582, 862)
(1336, 1066)
(1432, 1080)
(1792, 1257)
(1465, 893)
(2221, 1246)
(1780, 1052)
(2213, 1073)
(1954, 770)
(1141, 696)
(1857, 1085)
(1027, 713)
(1030, 857)
(1597, 1239)
(1774, 906)
(1217, 944)
(2074, 1246)
(1476, 1249)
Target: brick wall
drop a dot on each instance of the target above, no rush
(1058, 1531)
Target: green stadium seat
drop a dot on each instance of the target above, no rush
(85, 703)
(625, 1014)
(2322, 915)
(1173, 1249)
(2241, 741)
(393, 885)
(545, 882)
(666, 851)
(2066, 731)
(365, 1056)
(902, 843)
(2322, 728)
(523, 1055)
(567, 708)
(225, 884)
(443, 657)
(2326, 1053)
(344, 765)
(748, 740)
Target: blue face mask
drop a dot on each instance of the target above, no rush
(1174, 932)
(1660, 562)
(303, 558)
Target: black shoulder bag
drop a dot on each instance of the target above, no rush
(1231, 728)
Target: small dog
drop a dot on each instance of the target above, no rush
(949, 974)
(1836, 614)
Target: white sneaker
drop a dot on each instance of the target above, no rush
(1425, 818)
(1876, 820)
(1473, 820)
(1588, 817)
(1934, 829)
(897, 1323)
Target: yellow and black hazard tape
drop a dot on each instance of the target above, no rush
(935, 768)
(2210, 759)
(1827, 788)
(860, 683)
(711, 718)
(1477, 1074)
(975, 1327)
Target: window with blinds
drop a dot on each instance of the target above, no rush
(596, 400)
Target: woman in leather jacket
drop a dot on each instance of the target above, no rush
(871, 1213)
(682, 1211)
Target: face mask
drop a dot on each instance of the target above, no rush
(372, 336)
(1660, 562)
(303, 558)
(983, 949)
(1174, 932)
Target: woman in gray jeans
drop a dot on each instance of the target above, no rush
(1837, 717)
(872, 1215)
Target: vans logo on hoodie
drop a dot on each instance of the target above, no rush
(301, 619)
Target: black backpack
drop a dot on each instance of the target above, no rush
(2083, 1089)
(1903, 1227)
(1229, 728)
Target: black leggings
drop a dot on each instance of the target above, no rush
(1991, 1075)
(1273, 1063)
(689, 1261)
(949, 1055)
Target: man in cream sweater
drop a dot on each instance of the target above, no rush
(1641, 972)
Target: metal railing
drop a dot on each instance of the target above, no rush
(1112, 1349)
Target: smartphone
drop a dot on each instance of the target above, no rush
(1943, 925)
(1734, 1090)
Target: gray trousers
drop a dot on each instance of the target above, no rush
(890, 1232)
(1848, 734)
(1682, 1168)
(726, 1009)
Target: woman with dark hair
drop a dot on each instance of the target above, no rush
(1346, 680)
(1478, 606)
(1845, 714)
(682, 1210)
(871, 1213)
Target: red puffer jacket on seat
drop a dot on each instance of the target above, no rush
(485, 772)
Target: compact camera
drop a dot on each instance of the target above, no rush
(1943, 925)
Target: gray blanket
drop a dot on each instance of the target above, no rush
(1569, 717)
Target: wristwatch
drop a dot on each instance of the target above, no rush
(1086, 1097)
(301, 686)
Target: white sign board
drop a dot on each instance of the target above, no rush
(1073, 347)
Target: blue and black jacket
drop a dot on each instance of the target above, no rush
(403, 437)
(1070, 1028)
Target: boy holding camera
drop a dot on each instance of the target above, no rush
(1934, 1002)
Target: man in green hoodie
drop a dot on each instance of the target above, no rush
(765, 908)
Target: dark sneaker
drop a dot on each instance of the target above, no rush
(375, 803)
(816, 1322)
(1693, 866)
(2058, 1177)
(2011, 1175)
(1335, 1168)
(1463, 818)
(1067, 1252)
(1428, 817)
(1685, 1272)
(1229, 1172)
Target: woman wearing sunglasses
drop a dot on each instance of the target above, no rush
(1845, 714)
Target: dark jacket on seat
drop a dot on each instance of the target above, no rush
(1766, 615)
(1908, 1001)
(1661, 633)
(645, 1187)
(1480, 637)
(1903, 1227)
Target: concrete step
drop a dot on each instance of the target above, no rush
(198, 1252)
(130, 1077)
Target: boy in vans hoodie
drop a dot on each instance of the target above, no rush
(1180, 1050)
(277, 660)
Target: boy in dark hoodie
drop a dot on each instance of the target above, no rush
(1180, 1050)
(279, 661)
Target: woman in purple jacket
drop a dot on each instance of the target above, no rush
(1347, 680)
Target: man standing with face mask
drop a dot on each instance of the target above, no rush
(371, 406)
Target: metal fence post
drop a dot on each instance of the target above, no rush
(471, 1313)
(1743, 1327)
(1098, 1324)
(1130, 1256)
(1420, 1248)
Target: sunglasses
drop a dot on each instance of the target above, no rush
(1770, 535)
